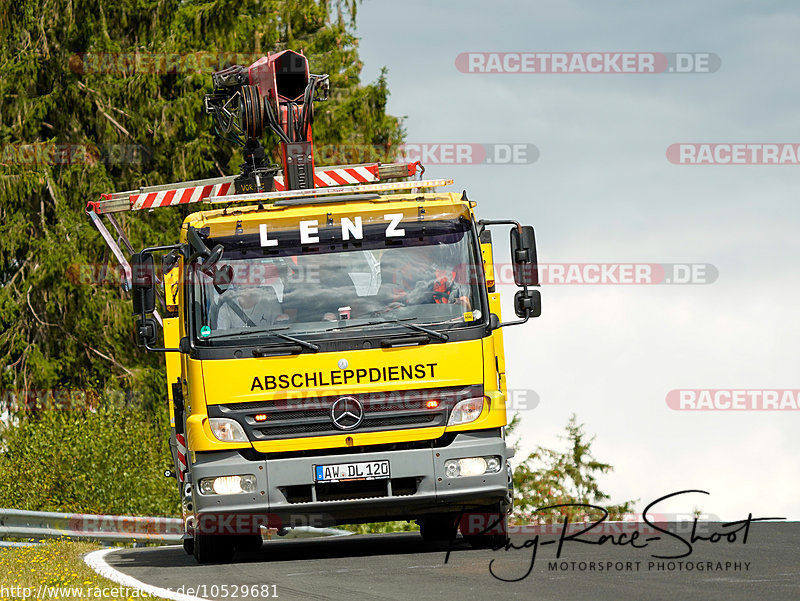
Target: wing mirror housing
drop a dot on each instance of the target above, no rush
(528, 303)
(144, 283)
(223, 278)
(147, 329)
(523, 256)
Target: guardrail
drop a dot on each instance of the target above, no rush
(38, 525)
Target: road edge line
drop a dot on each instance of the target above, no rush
(96, 561)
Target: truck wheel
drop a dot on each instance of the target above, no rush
(248, 543)
(188, 546)
(486, 527)
(438, 528)
(213, 548)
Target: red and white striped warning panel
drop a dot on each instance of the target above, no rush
(181, 448)
(178, 196)
(338, 177)
(200, 190)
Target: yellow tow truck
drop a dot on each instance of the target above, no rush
(332, 335)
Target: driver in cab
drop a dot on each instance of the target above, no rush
(422, 275)
(249, 304)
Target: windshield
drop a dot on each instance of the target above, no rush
(429, 276)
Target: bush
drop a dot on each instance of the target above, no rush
(109, 461)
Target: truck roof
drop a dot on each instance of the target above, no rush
(448, 203)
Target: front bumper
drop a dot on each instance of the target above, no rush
(287, 494)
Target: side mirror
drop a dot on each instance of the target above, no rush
(170, 260)
(196, 244)
(523, 256)
(148, 331)
(528, 303)
(223, 278)
(144, 283)
(212, 259)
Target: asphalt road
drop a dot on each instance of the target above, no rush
(401, 567)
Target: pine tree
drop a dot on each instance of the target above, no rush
(100, 96)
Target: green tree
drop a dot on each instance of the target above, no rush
(549, 477)
(71, 80)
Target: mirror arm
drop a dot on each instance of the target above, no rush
(484, 222)
(150, 249)
(152, 349)
(517, 322)
(160, 350)
(514, 323)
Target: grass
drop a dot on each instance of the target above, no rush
(57, 563)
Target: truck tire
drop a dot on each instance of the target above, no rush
(188, 546)
(438, 528)
(248, 543)
(485, 527)
(213, 548)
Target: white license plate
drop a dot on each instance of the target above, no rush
(363, 470)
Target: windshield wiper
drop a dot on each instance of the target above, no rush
(271, 332)
(400, 322)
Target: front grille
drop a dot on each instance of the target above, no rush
(284, 431)
(297, 418)
(406, 420)
(346, 491)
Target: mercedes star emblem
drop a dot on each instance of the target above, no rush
(347, 413)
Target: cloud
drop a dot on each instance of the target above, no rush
(603, 190)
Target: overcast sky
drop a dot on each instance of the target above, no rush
(602, 190)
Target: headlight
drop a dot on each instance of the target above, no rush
(228, 485)
(465, 411)
(472, 466)
(227, 430)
